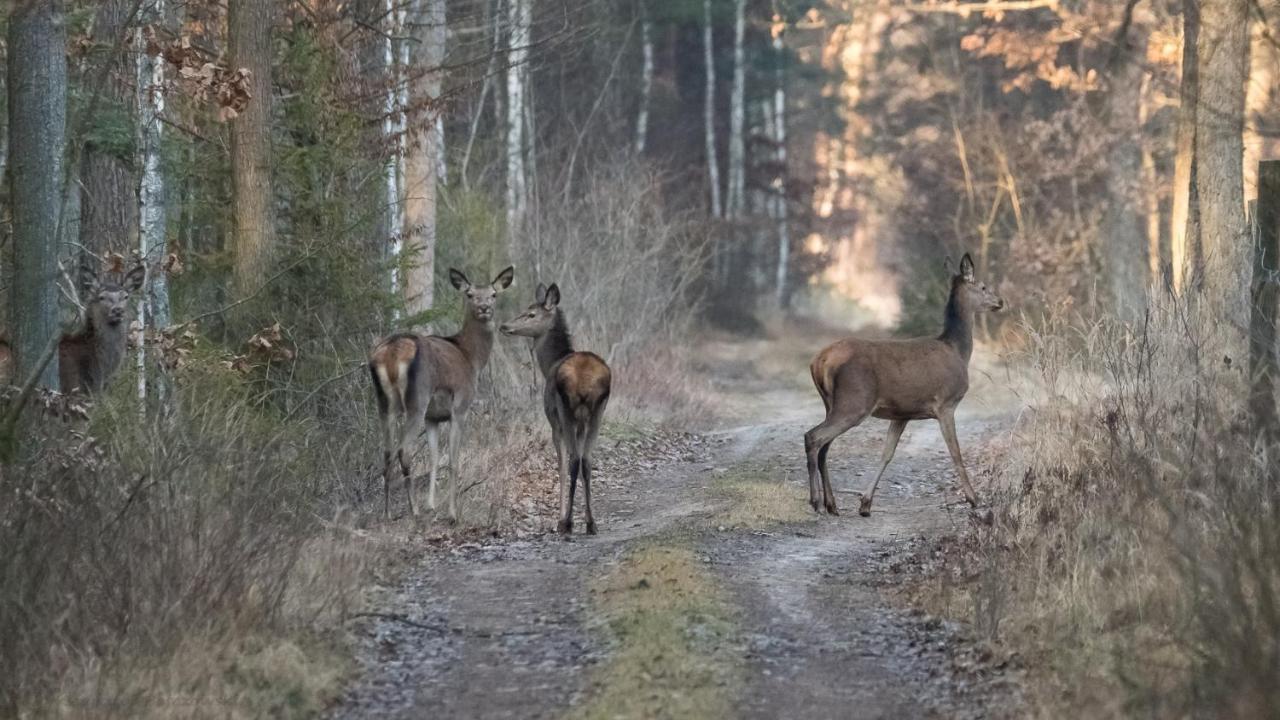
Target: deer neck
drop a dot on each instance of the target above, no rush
(957, 328)
(476, 340)
(105, 346)
(554, 345)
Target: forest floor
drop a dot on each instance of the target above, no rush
(712, 590)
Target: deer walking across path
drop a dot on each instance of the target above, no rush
(430, 380)
(574, 398)
(898, 381)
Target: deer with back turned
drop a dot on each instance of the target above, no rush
(425, 381)
(574, 397)
(898, 381)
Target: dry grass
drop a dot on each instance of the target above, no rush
(1133, 556)
(758, 499)
(671, 635)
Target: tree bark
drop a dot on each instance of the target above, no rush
(646, 77)
(737, 116)
(519, 19)
(780, 157)
(37, 138)
(424, 154)
(1263, 296)
(709, 110)
(153, 304)
(1223, 54)
(108, 181)
(1124, 237)
(249, 46)
(1184, 220)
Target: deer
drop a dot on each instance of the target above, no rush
(899, 381)
(574, 397)
(89, 356)
(425, 381)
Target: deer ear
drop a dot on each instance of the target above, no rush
(503, 281)
(540, 295)
(460, 281)
(966, 268)
(553, 297)
(133, 281)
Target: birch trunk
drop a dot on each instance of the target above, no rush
(249, 46)
(780, 157)
(37, 138)
(1124, 238)
(423, 154)
(709, 110)
(737, 116)
(1223, 52)
(646, 78)
(519, 18)
(393, 133)
(153, 304)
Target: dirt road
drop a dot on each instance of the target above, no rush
(711, 590)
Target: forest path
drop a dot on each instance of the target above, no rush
(711, 590)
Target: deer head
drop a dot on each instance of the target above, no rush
(107, 306)
(481, 299)
(972, 295)
(539, 318)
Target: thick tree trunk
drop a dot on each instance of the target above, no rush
(519, 19)
(249, 46)
(1184, 221)
(1223, 52)
(646, 78)
(736, 195)
(108, 181)
(37, 138)
(424, 152)
(709, 109)
(1124, 237)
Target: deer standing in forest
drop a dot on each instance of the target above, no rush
(89, 356)
(429, 380)
(898, 381)
(574, 397)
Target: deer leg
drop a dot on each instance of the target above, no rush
(588, 449)
(947, 420)
(433, 444)
(455, 444)
(814, 441)
(409, 433)
(389, 450)
(565, 524)
(890, 445)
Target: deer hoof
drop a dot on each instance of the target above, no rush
(832, 509)
(814, 504)
(591, 527)
(864, 507)
(973, 501)
(565, 527)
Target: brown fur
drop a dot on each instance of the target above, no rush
(424, 381)
(899, 381)
(574, 397)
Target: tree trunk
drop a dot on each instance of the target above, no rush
(1223, 53)
(519, 19)
(1184, 221)
(780, 157)
(153, 304)
(108, 181)
(1263, 301)
(37, 138)
(1124, 237)
(709, 110)
(423, 154)
(646, 78)
(737, 116)
(249, 46)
